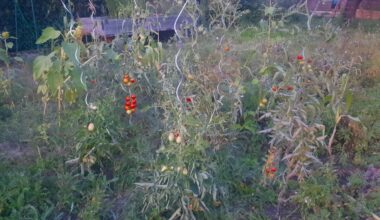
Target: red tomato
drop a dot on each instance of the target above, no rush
(299, 57)
(274, 88)
(289, 88)
(189, 100)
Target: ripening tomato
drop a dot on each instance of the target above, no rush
(185, 171)
(289, 88)
(273, 169)
(90, 127)
(274, 88)
(178, 140)
(226, 48)
(171, 137)
(133, 96)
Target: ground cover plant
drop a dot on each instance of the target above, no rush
(227, 120)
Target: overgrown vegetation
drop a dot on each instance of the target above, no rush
(237, 120)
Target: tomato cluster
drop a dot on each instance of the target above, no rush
(287, 88)
(175, 136)
(130, 104)
(263, 102)
(127, 80)
(270, 170)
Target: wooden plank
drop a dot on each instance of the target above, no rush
(367, 14)
(105, 27)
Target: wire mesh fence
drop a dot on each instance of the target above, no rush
(25, 19)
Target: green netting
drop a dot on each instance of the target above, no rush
(25, 19)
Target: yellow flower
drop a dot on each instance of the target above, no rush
(78, 32)
(5, 35)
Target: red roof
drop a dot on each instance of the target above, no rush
(362, 9)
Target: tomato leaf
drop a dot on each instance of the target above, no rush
(48, 33)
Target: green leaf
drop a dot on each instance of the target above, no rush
(268, 70)
(71, 95)
(348, 100)
(110, 54)
(255, 82)
(76, 82)
(54, 78)
(9, 45)
(48, 33)
(3, 56)
(19, 59)
(72, 50)
(41, 65)
(327, 99)
(42, 89)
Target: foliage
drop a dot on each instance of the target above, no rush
(224, 123)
